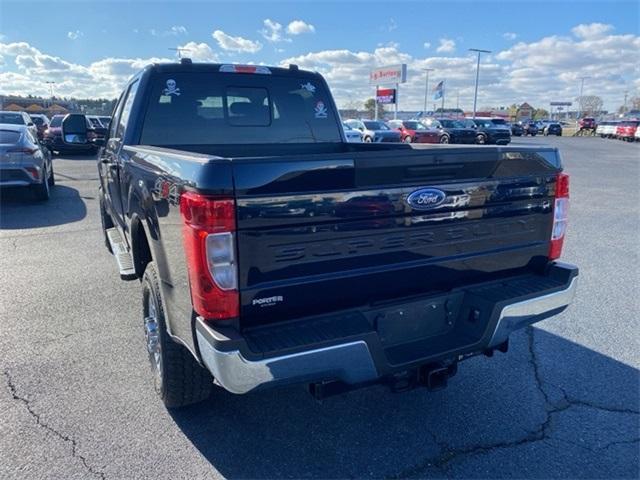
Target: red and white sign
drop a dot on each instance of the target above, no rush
(387, 75)
(386, 95)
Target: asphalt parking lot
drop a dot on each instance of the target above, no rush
(77, 401)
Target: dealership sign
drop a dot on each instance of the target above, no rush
(386, 95)
(560, 104)
(390, 74)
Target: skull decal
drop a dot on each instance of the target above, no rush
(171, 88)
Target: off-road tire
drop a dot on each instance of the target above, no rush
(182, 381)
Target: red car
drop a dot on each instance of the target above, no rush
(412, 131)
(626, 130)
(587, 123)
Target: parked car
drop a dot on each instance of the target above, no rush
(282, 254)
(609, 130)
(412, 131)
(41, 122)
(492, 131)
(636, 136)
(351, 134)
(24, 162)
(626, 130)
(552, 128)
(587, 123)
(374, 131)
(19, 118)
(516, 129)
(530, 128)
(457, 132)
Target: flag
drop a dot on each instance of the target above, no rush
(438, 91)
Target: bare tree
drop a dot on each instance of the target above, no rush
(590, 105)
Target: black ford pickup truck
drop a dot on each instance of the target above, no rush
(271, 251)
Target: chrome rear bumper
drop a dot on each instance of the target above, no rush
(351, 362)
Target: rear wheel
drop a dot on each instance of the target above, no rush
(481, 139)
(52, 180)
(178, 378)
(407, 139)
(41, 190)
(368, 140)
(444, 139)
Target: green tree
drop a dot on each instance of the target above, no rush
(370, 108)
(540, 113)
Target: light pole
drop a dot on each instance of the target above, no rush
(51, 84)
(475, 95)
(582, 79)
(426, 88)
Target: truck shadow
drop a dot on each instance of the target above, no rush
(20, 210)
(568, 394)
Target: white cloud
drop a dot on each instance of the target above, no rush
(235, 44)
(555, 62)
(446, 46)
(298, 27)
(272, 31)
(198, 52)
(426, 45)
(174, 31)
(178, 30)
(509, 36)
(75, 34)
(591, 30)
(104, 78)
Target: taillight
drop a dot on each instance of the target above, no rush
(560, 215)
(209, 241)
(34, 172)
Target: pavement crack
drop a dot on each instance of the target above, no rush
(542, 433)
(65, 438)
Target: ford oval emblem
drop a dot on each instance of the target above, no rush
(426, 198)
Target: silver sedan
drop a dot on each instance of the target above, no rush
(24, 162)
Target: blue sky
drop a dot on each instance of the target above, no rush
(81, 34)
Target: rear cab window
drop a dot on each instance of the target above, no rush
(200, 108)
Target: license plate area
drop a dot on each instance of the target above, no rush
(408, 322)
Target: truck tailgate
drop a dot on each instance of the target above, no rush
(321, 233)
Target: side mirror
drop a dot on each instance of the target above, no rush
(74, 129)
